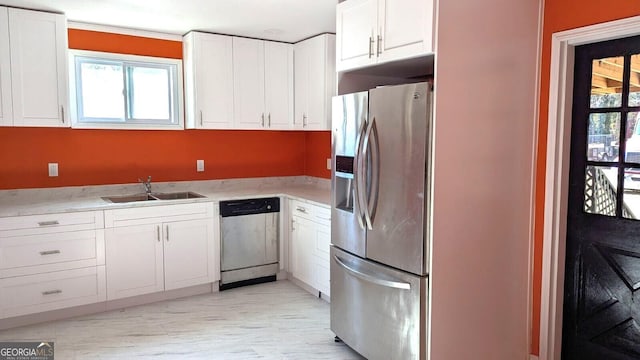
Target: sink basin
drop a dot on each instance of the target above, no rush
(154, 196)
(177, 195)
(129, 198)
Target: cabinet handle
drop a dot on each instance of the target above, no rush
(262, 119)
(304, 120)
(48, 223)
(301, 209)
(52, 292)
(269, 117)
(370, 46)
(158, 232)
(49, 252)
(167, 228)
(62, 112)
(379, 46)
(201, 122)
(293, 222)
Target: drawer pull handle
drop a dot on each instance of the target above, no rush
(51, 292)
(49, 252)
(48, 223)
(301, 209)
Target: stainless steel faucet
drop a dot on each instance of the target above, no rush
(146, 184)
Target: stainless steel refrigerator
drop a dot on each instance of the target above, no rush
(381, 142)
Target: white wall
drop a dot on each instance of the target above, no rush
(485, 110)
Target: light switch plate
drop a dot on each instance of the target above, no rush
(199, 165)
(53, 169)
(328, 164)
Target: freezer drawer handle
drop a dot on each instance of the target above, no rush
(371, 278)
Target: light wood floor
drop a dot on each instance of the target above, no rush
(275, 320)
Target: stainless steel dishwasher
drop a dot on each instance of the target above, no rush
(249, 233)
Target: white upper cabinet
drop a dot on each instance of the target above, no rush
(278, 64)
(6, 118)
(208, 74)
(38, 53)
(378, 31)
(315, 82)
(263, 82)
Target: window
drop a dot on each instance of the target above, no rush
(125, 91)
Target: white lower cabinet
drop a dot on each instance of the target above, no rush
(161, 248)
(50, 262)
(309, 244)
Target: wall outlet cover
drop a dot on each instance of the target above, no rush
(199, 165)
(328, 164)
(53, 169)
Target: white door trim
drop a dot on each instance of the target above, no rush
(557, 171)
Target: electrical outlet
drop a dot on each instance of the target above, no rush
(199, 165)
(328, 164)
(53, 169)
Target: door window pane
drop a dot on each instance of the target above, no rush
(632, 133)
(600, 190)
(631, 196)
(634, 81)
(606, 82)
(603, 137)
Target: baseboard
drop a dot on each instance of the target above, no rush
(533, 357)
(308, 288)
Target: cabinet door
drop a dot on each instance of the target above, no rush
(356, 21)
(301, 82)
(208, 81)
(302, 244)
(134, 260)
(6, 117)
(405, 29)
(38, 44)
(189, 253)
(248, 84)
(318, 98)
(278, 64)
(321, 241)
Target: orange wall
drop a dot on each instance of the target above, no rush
(93, 157)
(561, 15)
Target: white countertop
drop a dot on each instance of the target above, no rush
(85, 198)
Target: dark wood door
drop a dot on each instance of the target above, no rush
(602, 269)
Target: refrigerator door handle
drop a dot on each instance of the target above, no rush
(359, 204)
(371, 277)
(371, 147)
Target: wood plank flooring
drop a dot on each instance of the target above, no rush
(275, 320)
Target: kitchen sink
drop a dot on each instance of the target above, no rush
(177, 195)
(154, 196)
(129, 198)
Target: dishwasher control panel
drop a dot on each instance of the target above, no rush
(249, 206)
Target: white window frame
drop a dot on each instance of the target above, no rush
(178, 100)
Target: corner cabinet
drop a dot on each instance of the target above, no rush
(160, 248)
(378, 31)
(33, 69)
(315, 82)
(263, 84)
(208, 77)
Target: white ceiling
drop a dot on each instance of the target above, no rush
(283, 20)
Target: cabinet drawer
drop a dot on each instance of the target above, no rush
(157, 213)
(310, 211)
(43, 292)
(69, 250)
(50, 223)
